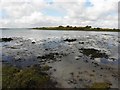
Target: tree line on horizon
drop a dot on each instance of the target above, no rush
(86, 28)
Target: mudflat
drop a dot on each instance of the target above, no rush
(80, 62)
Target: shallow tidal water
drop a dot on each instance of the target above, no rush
(110, 38)
(69, 53)
(44, 34)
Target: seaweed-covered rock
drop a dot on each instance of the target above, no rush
(70, 40)
(93, 53)
(5, 39)
(50, 56)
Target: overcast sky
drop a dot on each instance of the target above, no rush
(37, 13)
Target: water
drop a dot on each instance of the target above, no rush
(28, 53)
(99, 40)
(44, 34)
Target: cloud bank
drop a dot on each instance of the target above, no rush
(39, 13)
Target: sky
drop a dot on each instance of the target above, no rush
(41, 13)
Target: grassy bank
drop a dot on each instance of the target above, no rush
(70, 28)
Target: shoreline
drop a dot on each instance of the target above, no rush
(78, 30)
(63, 29)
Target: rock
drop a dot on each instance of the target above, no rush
(93, 53)
(86, 61)
(81, 42)
(6, 39)
(72, 73)
(69, 82)
(46, 49)
(49, 62)
(33, 42)
(17, 58)
(70, 40)
(54, 69)
(101, 75)
(60, 60)
(77, 58)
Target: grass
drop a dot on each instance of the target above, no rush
(32, 77)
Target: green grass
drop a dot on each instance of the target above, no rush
(32, 77)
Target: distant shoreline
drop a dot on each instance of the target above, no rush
(78, 30)
(70, 28)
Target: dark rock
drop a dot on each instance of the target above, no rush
(81, 42)
(86, 61)
(54, 69)
(101, 75)
(72, 73)
(70, 40)
(6, 39)
(33, 42)
(46, 49)
(50, 56)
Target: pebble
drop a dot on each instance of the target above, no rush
(54, 69)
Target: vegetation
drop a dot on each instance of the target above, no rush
(86, 28)
(35, 77)
(93, 53)
(32, 77)
(45, 68)
(100, 85)
(0, 75)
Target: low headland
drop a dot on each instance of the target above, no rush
(75, 28)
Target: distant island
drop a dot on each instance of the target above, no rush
(86, 28)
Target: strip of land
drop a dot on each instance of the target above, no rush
(86, 28)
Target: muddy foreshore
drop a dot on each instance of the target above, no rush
(75, 62)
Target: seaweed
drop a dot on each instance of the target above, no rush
(32, 77)
(70, 40)
(5, 39)
(93, 53)
(100, 85)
